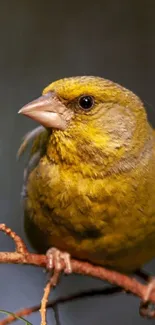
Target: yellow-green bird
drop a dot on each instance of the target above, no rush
(89, 186)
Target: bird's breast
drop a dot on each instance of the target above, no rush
(92, 218)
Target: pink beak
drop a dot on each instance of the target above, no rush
(46, 110)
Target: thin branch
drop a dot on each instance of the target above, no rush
(44, 301)
(23, 256)
(19, 244)
(51, 283)
(61, 300)
(56, 314)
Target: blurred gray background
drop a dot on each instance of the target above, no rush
(41, 41)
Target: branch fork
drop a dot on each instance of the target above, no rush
(21, 255)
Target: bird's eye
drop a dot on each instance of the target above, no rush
(86, 102)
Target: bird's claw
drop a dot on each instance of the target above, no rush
(58, 261)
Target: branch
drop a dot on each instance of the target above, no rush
(61, 300)
(52, 282)
(22, 256)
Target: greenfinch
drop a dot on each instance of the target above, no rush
(89, 186)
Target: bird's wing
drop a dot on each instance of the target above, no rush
(28, 137)
(38, 137)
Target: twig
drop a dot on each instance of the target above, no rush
(44, 301)
(22, 256)
(61, 300)
(19, 244)
(56, 314)
(51, 283)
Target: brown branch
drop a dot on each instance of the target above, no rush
(44, 302)
(51, 283)
(19, 244)
(22, 256)
(61, 300)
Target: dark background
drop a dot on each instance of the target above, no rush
(41, 41)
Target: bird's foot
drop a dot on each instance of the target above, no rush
(147, 309)
(58, 261)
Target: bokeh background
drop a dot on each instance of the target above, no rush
(41, 41)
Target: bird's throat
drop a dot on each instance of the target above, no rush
(95, 157)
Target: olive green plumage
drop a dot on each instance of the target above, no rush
(92, 190)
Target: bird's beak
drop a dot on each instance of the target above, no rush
(47, 110)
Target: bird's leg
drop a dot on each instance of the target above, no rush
(55, 258)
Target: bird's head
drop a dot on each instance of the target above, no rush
(97, 117)
(79, 98)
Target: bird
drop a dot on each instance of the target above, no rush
(89, 184)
